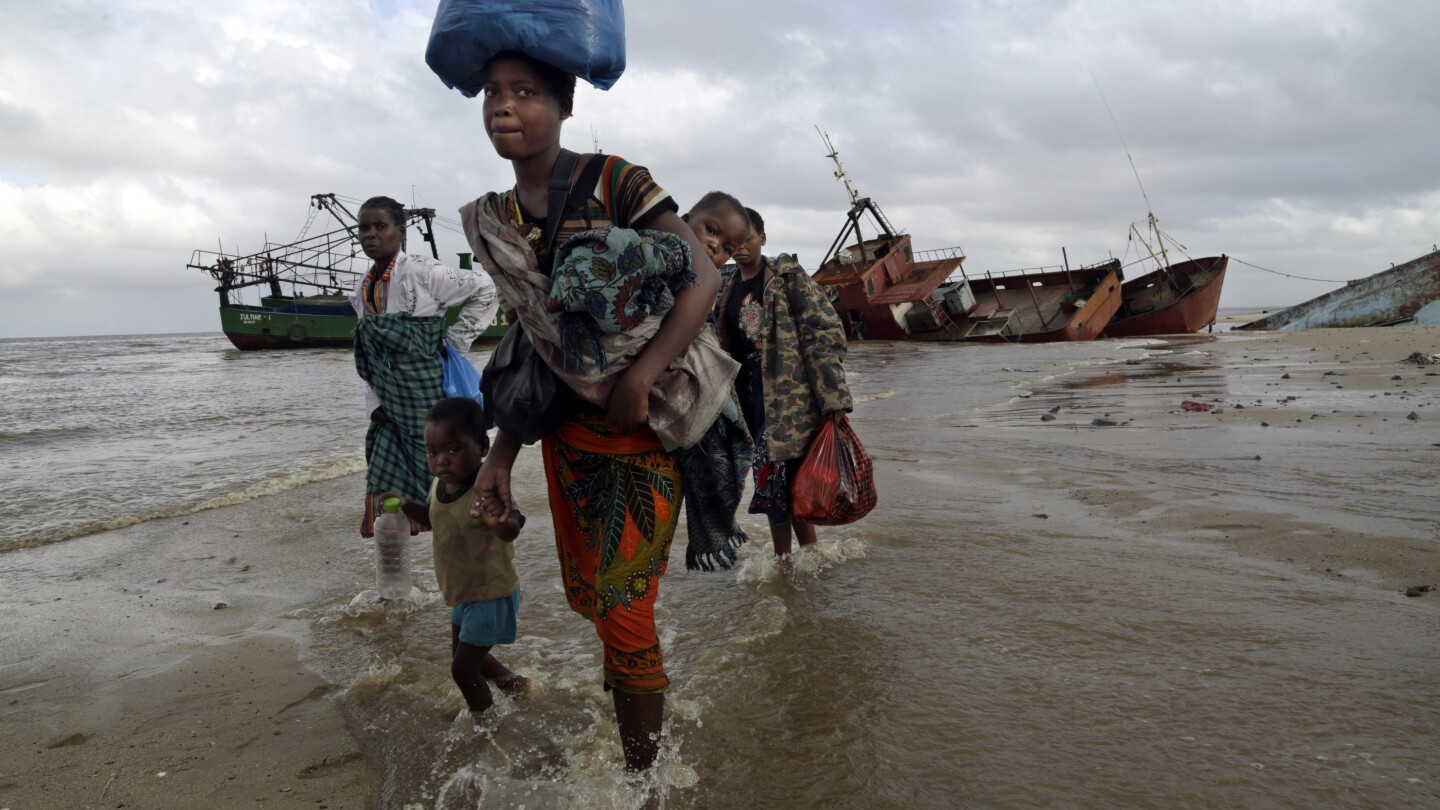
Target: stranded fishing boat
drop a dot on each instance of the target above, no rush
(1179, 299)
(884, 290)
(1043, 305)
(1172, 300)
(304, 285)
(1407, 295)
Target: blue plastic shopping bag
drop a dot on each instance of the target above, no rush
(583, 37)
(461, 378)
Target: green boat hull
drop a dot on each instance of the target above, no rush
(253, 328)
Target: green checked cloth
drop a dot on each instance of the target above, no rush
(397, 354)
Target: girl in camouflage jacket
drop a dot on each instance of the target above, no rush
(779, 325)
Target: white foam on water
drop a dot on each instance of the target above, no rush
(873, 397)
(375, 679)
(259, 489)
(806, 562)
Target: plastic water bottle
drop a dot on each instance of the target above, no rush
(392, 551)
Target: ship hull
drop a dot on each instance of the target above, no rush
(1178, 301)
(1045, 307)
(251, 328)
(1407, 294)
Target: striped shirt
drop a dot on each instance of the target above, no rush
(620, 193)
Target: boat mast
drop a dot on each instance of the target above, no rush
(839, 167)
(858, 205)
(1136, 234)
(329, 203)
(1164, 258)
(1159, 239)
(426, 225)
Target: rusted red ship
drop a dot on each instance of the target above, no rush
(1044, 305)
(885, 290)
(1175, 299)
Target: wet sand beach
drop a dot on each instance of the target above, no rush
(160, 665)
(1320, 448)
(1164, 607)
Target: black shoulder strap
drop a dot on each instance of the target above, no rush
(559, 192)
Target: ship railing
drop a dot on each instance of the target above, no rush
(1017, 272)
(939, 254)
(331, 259)
(323, 270)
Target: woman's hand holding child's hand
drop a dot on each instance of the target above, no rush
(488, 514)
(492, 493)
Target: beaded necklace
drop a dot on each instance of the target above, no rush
(531, 231)
(377, 301)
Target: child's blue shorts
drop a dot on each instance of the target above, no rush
(488, 622)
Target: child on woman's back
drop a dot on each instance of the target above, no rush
(720, 223)
(474, 557)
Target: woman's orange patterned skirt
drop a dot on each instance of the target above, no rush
(615, 499)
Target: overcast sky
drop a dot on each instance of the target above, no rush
(1296, 135)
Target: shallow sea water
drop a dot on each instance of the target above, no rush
(951, 650)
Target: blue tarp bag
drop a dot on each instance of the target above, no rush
(461, 378)
(583, 37)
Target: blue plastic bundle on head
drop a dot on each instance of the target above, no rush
(583, 37)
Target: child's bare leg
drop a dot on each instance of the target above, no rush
(504, 678)
(467, 667)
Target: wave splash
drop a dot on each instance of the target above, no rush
(259, 489)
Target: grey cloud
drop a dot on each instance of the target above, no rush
(1255, 130)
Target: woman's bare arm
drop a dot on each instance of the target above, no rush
(629, 405)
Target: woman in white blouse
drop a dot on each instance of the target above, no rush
(418, 285)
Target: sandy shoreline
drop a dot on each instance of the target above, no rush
(1320, 451)
(123, 684)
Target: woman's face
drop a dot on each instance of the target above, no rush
(522, 117)
(379, 235)
(747, 255)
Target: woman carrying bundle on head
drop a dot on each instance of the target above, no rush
(644, 384)
(776, 321)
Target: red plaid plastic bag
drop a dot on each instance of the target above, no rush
(836, 481)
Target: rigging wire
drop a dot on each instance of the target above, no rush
(1126, 146)
(1123, 145)
(1289, 275)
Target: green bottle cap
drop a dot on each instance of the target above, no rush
(391, 505)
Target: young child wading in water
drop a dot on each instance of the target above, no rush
(474, 556)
